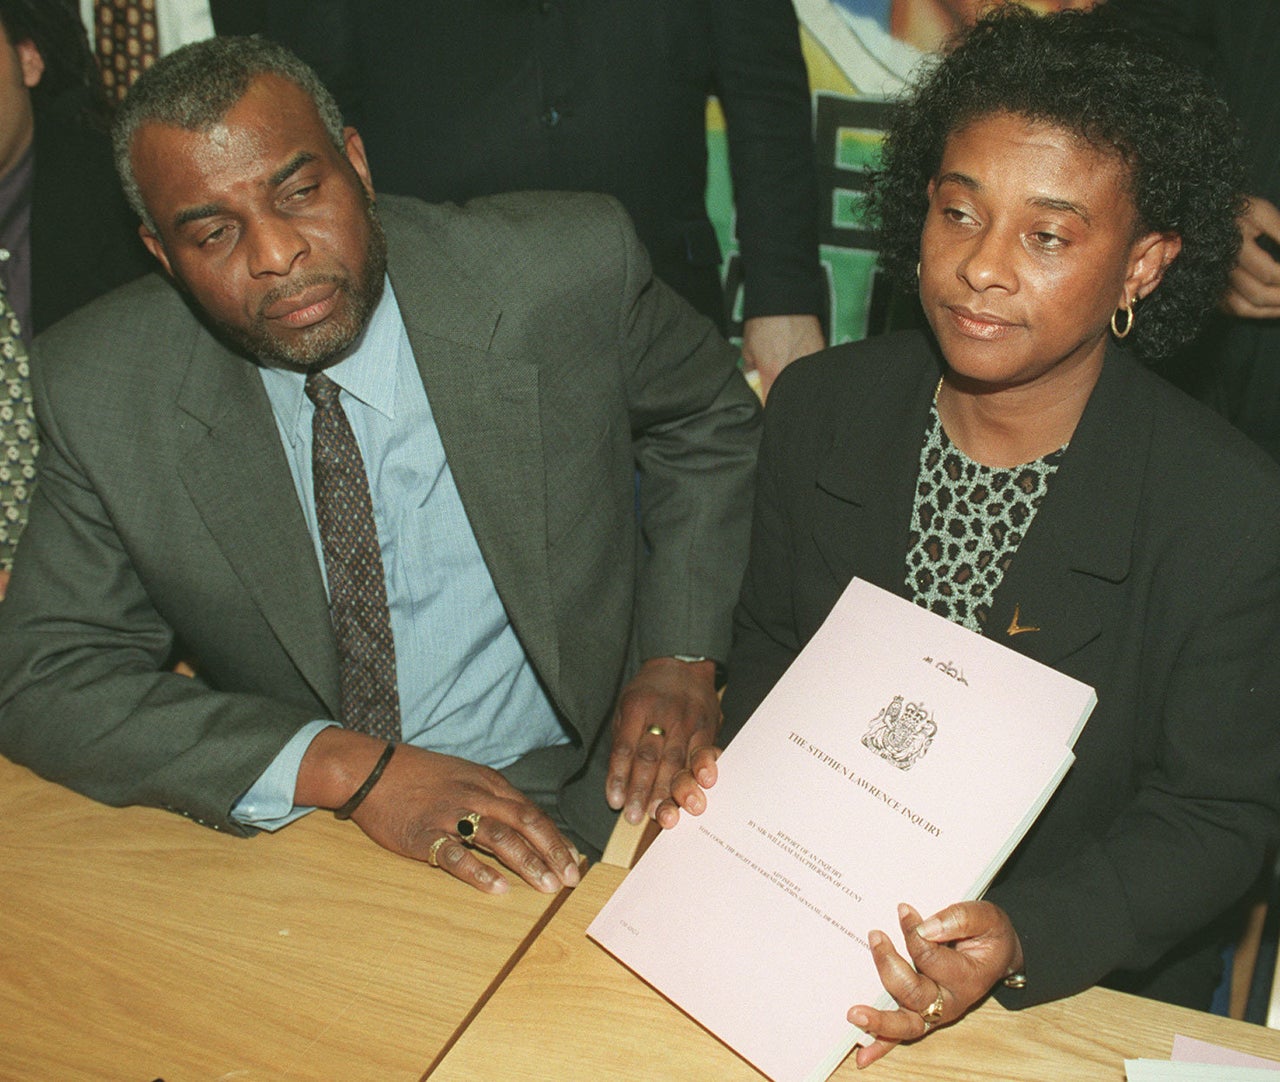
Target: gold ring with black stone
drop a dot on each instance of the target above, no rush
(467, 827)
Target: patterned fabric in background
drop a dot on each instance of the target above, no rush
(126, 42)
(18, 446)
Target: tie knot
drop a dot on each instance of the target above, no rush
(321, 390)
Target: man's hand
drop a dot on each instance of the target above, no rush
(419, 800)
(770, 343)
(668, 708)
(688, 787)
(959, 954)
(1253, 290)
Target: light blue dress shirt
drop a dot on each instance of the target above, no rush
(466, 687)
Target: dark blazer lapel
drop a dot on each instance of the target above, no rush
(869, 477)
(486, 407)
(234, 469)
(1053, 600)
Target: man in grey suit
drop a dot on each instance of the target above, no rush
(506, 368)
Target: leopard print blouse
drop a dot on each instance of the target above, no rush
(966, 525)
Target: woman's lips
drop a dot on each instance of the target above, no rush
(981, 325)
(304, 309)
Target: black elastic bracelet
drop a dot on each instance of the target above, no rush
(358, 796)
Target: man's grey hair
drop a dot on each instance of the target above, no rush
(196, 86)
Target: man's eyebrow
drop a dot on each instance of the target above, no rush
(194, 214)
(303, 157)
(208, 210)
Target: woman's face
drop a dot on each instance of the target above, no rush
(1028, 248)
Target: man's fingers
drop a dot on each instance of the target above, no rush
(527, 842)
(688, 787)
(652, 761)
(667, 707)
(615, 786)
(688, 793)
(647, 793)
(456, 859)
(545, 864)
(644, 772)
(702, 764)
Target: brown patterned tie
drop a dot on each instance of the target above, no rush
(353, 563)
(17, 433)
(126, 42)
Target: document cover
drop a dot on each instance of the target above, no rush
(901, 758)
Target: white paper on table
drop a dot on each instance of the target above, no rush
(753, 916)
(1191, 1050)
(1163, 1070)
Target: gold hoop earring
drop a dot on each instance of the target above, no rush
(1128, 323)
(917, 272)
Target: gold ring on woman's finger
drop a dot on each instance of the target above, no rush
(932, 1014)
(656, 730)
(432, 857)
(467, 827)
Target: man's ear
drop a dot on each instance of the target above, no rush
(354, 147)
(31, 63)
(156, 247)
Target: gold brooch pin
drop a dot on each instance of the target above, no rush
(1016, 628)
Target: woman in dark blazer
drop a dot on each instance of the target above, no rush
(1017, 470)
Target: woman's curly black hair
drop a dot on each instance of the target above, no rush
(1083, 73)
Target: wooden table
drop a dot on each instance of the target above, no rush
(135, 945)
(569, 1011)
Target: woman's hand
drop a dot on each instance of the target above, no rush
(688, 787)
(959, 954)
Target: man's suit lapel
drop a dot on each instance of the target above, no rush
(487, 411)
(1054, 597)
(234, 468)
(486, 407)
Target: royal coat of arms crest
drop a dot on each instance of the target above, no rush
(901, 733)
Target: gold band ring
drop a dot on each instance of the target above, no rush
(932, 1014)
(656, 730)
(432, 857)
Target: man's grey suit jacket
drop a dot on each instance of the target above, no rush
(166, 519)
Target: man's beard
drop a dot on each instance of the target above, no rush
(321, 345)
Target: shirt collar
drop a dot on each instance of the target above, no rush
(367, 373)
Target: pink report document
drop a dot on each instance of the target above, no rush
(900, 759)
